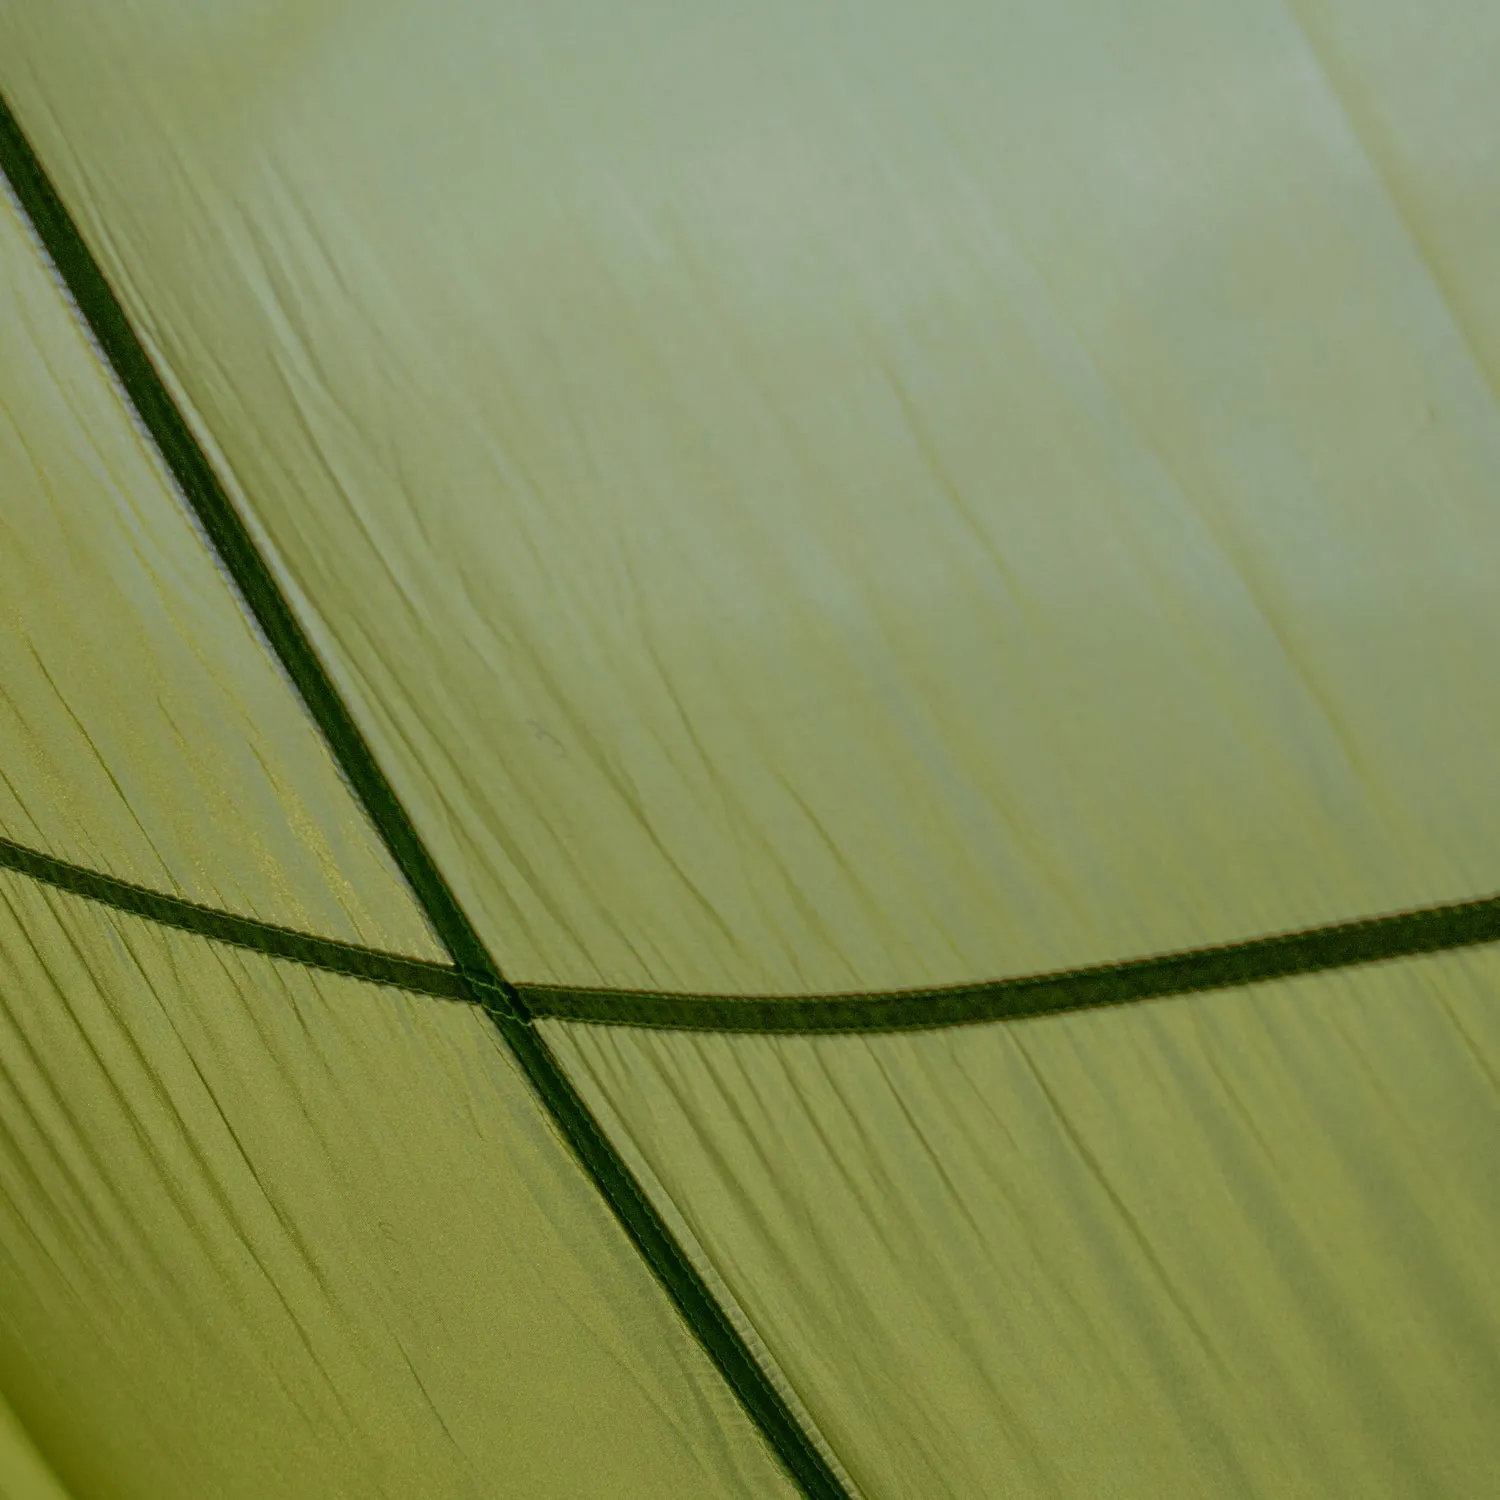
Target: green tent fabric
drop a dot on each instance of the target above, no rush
(24, 1474)
(747, 750)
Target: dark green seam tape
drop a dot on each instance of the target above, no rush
(1341, 945)
(1465, 924)
(351, 959)
(236, 548)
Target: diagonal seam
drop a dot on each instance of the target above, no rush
(229, 536)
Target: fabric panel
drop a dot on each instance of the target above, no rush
(1418, 89)
(1238, 1245)
(24, 1474)
(144, 731)
(780, 539)
(267, 1231)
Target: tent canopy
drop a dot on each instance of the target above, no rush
(749, 750)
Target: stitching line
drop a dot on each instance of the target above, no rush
(1367, 940)
(352, 960)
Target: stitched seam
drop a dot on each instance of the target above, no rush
(287, 944)
(1398, 935)
(1222, 966)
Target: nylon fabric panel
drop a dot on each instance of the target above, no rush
(270, 1232)
(814, 498)
(144, 731)
(1237, 1245)
(1418, 89)
(24, 1474)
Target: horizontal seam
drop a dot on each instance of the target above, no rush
(1340, 945)
(350, 959)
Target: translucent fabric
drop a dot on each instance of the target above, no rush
(270, 1232)
(1240, 1244)
(24, 1474)
(145, 731)
(836, 497)
(797, 498)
